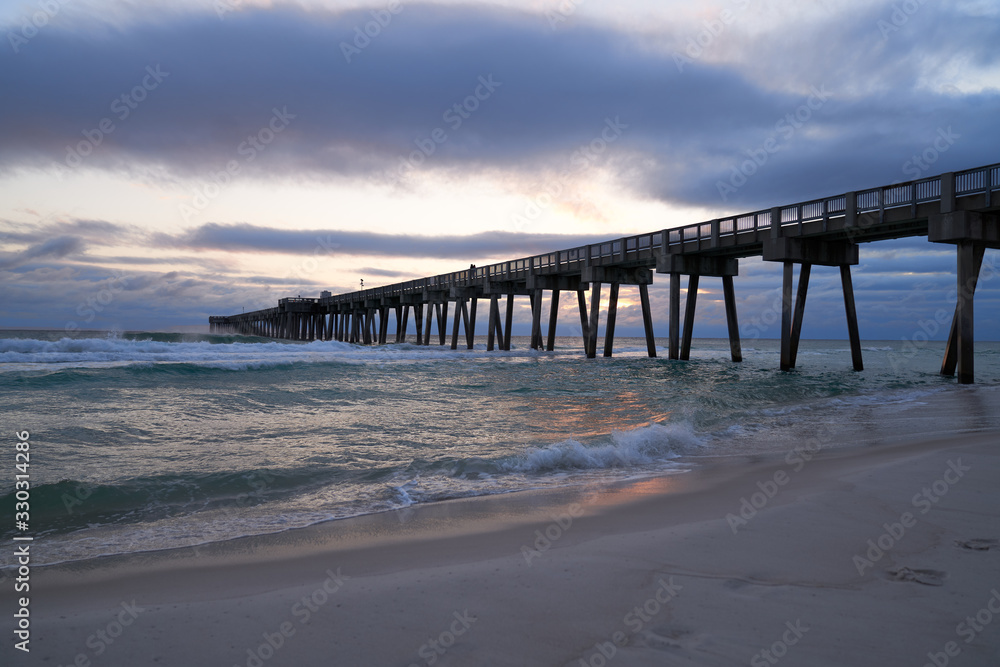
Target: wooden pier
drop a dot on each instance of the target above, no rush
(958, 208)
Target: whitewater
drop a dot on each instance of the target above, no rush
(146, 441)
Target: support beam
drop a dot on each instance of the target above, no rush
(508, 321)
(491, 328)
(968, 277)
(800, 306)
(470, 330)
(786, 317)
(675, 315)
(950, 362)
(647, 320)
(553, 316)
(595, 312)
(536, 320)
(383, 333)
(729, 292)
(609, 329)
(442, 315)
(418, 322)
(498, 324)
(403, 327)
(465, 318)
(852, 317)
(690, 302)
(460, 312)
(428, 322)
(581, 298)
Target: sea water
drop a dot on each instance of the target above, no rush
(145, 441)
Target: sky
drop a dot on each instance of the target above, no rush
(161, 162)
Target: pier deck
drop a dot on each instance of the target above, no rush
(959, 208)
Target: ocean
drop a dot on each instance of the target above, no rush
(148, 441)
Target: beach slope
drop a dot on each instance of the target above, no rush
(873, 556)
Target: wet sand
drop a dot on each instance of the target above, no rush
(851, 556)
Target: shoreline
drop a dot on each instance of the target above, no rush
(550, 576)
(857, 419)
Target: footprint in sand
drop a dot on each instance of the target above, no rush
(669, 638)
(977, 544)
(925, 577)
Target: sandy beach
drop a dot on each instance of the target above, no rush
(863, 556)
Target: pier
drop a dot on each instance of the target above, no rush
(958, 208)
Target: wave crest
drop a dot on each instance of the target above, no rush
(640, 446)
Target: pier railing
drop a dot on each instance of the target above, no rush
(642, 249)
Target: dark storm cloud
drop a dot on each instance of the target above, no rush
(208, 85)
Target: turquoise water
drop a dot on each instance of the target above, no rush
(148, 441)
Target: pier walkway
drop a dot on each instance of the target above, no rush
(959, 208)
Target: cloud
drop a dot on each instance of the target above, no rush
(61, 246)
(789, 102)
(385, 273)
(254, 238)
(543, 96)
